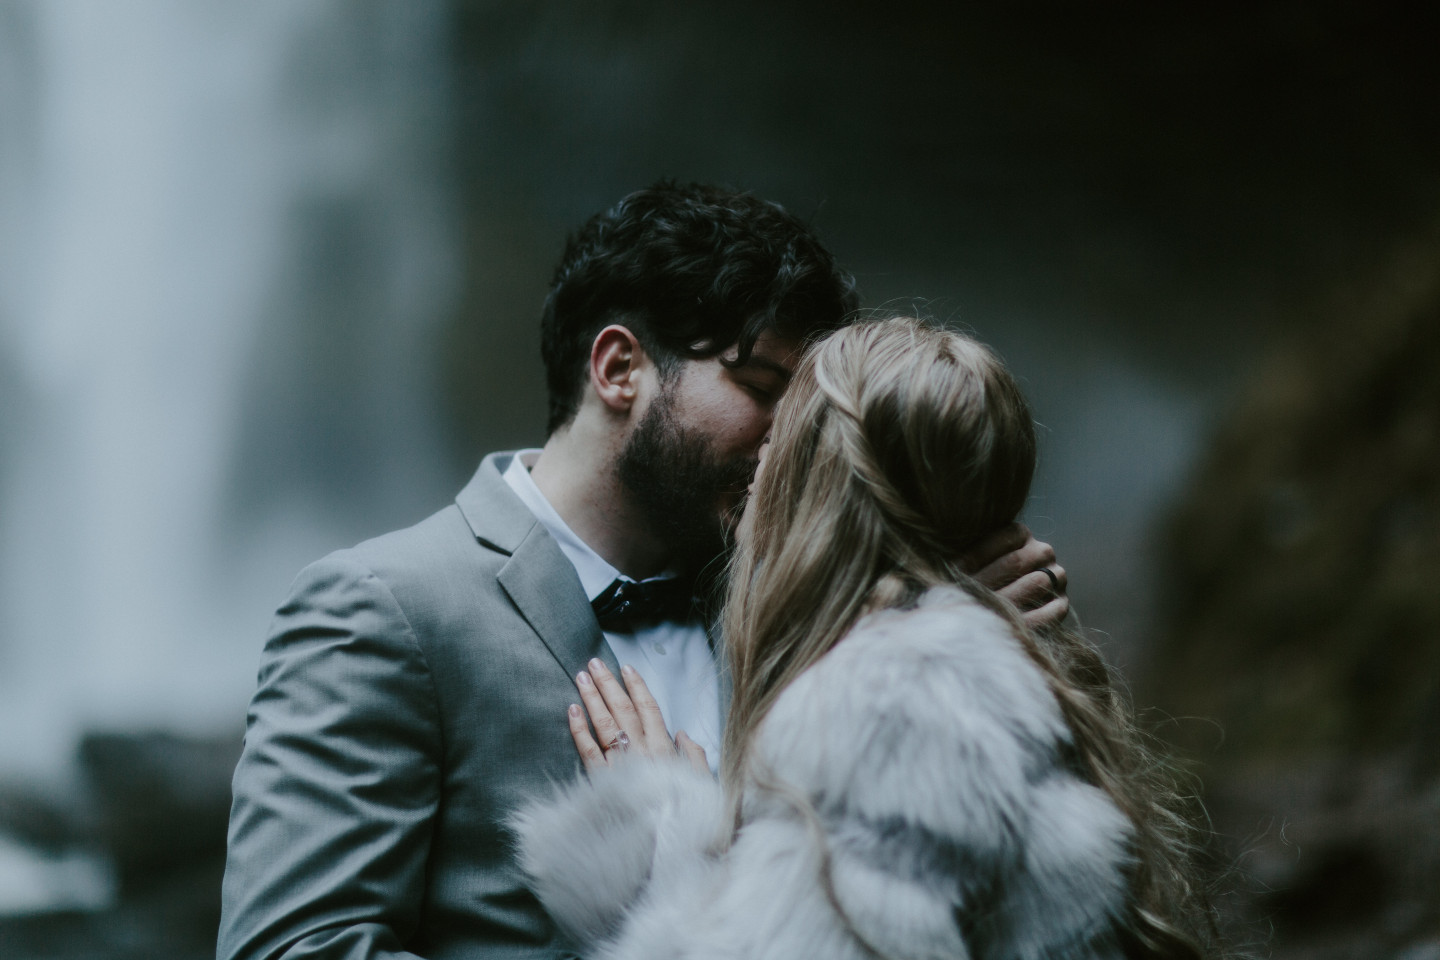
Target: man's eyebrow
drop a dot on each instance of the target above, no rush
(779, 369)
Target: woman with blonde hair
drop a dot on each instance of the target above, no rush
(908, 771)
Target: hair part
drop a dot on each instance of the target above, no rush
(692, 270)
(898, 445)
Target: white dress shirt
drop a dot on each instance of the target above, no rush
(674, 659)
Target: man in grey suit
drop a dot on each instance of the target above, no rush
(414, 688)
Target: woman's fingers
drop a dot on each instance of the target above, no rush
(1037, 588)
(623, 711)
(1002, 571)
(607, 730)
(1049, 615)
(652, 723)
(692, 751)
(590, 753)
(621, 707)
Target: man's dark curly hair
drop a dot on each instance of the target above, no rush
(691, 270)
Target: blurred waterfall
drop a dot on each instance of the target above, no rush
(224, 247)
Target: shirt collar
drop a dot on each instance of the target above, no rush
(595, 572)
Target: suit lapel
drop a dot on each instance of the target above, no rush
(495, 514)
(543, 584)
(537, 578)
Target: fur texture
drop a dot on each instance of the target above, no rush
(924, 757)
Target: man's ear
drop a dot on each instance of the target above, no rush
(616, 358)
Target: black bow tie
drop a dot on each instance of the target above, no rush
(625, 604)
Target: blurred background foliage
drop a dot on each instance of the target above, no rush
(269, 283)
(1302, 624)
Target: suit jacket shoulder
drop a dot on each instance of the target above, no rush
(410, 693)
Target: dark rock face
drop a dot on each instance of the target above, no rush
(33, 818)
(157, 808)
(162, 802)
(1305, 620)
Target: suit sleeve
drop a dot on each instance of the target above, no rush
(337, 787)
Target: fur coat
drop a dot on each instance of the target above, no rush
(924, 760)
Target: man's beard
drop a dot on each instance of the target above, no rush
(679, 484)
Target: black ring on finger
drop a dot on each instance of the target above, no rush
(1054, 580)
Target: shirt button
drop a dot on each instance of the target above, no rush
(660, 649)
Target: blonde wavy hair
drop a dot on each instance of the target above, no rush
(898, 445)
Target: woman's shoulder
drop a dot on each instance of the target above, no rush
(929, 736)
(929, 713)
(948, 658)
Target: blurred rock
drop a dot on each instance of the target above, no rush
(49, 856)
(41, 881)
(161, 801)
(157, 809)
(1304, 618)
(36, 819)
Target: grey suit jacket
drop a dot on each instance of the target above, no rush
(411, 694)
